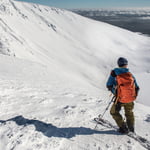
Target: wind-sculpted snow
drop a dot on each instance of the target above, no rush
(53, 68)
(48, 117)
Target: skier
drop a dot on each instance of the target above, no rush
(124, 86)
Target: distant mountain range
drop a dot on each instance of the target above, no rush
(134, 19)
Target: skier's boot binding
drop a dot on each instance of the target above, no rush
(131, 129)
(123, 129)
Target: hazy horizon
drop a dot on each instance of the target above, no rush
(91, 4)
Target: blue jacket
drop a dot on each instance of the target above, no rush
(111, 83)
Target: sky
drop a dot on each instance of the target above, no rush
(92, 3)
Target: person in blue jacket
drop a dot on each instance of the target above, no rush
(128, 126)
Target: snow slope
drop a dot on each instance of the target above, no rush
(53, 69)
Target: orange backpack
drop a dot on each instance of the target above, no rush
(125, 88)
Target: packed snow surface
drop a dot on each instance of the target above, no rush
(54, 65)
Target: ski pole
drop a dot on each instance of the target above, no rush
(101, 116)
(107, 107)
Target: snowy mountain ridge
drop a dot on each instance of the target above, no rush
(53, 68)
(23, 15)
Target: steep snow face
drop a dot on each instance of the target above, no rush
(33, 31)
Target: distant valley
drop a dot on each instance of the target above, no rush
(136, 20)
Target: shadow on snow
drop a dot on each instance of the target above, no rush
(50, 130)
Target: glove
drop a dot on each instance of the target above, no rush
(109, 87)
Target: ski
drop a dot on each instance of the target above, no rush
(104, 123)
(144, 142)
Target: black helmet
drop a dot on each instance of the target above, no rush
(122, 62)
